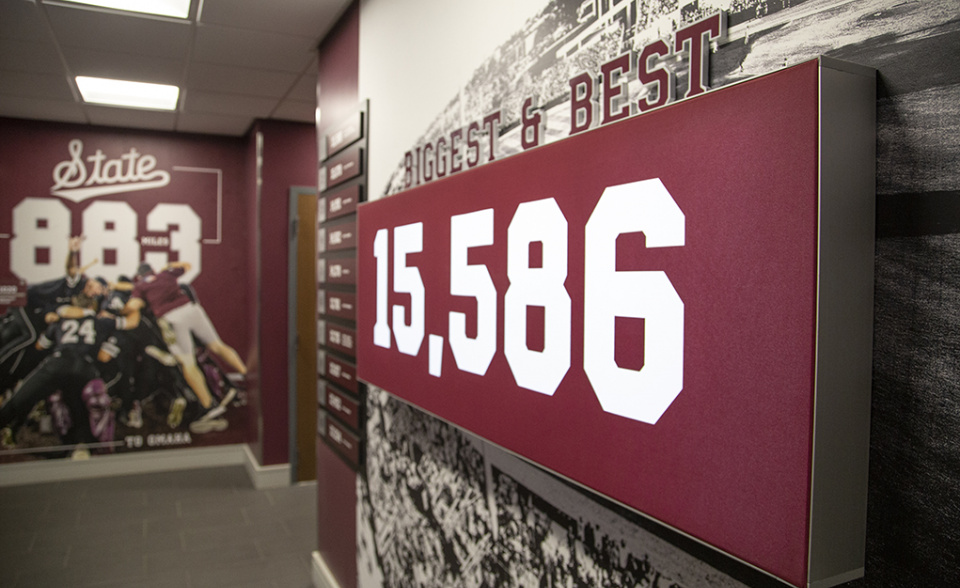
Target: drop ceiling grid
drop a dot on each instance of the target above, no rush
(246, 59)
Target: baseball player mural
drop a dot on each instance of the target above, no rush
(75, 336)
(112, 350)
(168, 300)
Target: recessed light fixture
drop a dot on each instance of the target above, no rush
(174, 8)
(129, 94)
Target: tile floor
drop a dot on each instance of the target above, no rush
(201, 528)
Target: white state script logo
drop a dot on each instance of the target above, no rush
(130, 172)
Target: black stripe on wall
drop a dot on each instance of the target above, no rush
(915, 215)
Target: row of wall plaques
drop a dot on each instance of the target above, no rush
(343, 181)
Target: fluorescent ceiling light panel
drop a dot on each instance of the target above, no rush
(129, 94)
(174, 8)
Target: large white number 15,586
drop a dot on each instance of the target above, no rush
(646, 207)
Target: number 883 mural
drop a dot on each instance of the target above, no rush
(123, 236)
(41, 227)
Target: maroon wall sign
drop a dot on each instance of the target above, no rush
(635, 307)
(342, 373)
(340, 304)
(345, 134)
(337, 270)
(340, 338)
(343, 407)
(344, 441)
(344, 167)
(341, 235)
(342, 202)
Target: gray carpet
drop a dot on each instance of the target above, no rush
(191, 529)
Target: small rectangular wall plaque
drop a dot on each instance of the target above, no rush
(343, 167)
(342, 372)
(342, 202)
(341, 305)
(344, 407)
(344, 134)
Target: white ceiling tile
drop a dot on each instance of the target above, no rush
(125, 66)
(43, 109)
(213, 124)
(54, 87)
(31, 56)
(246, 59)
(239, 80)
(93, 29)
(253, 49)
(197, 101)
(305, 18)
(306, 87)
(131, 118)
(296, 111)
(21, 19)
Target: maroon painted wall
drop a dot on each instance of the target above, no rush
(252, 287)
(338, 97)
(289, 159)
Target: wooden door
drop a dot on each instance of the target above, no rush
(306, 336)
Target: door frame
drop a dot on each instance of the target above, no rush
(294, 226)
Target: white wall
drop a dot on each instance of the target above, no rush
(415, 55)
